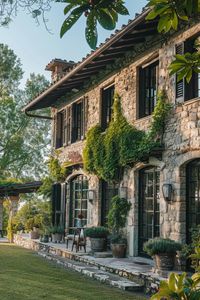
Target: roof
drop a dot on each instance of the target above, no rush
(122, 41)
(13, 189)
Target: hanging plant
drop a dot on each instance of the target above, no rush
(106, 154)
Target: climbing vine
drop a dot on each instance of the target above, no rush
(107, 153)
(57, 173)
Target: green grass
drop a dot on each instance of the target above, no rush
(25, 275)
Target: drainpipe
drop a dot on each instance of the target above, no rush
(38, 116)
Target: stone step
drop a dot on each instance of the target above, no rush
(95, 273)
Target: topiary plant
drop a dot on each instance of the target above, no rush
(117, 216)
(160, 245)
(96, 232)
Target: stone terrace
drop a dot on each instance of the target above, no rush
(125, 273)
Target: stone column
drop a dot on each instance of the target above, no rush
(1, 217)
(12, 212)
(14, 205)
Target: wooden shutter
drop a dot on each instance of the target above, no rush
(53, 132)
(180, 84)
(59, 122)
(64, 127)
(141, 93)
(85, 115)
(191, 88)
(69, 124)
(56, 201)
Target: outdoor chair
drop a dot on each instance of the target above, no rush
(79, 239)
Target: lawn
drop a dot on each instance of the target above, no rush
(25, 275)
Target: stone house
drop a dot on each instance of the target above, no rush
(134, 62)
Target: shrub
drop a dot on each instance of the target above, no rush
(56, 229)
(97, 232)
(118, 213)
(160, 245)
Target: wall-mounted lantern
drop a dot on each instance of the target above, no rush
(123, 192)
(167, 190)
(91, 195)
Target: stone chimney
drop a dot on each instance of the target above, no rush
(58, 68)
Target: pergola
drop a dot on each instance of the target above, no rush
(12, 192)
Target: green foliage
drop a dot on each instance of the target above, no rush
(170, 13)
(117, 214)
(160, 245)
(35, 213)
(96, 232)
(56, 229)
(179, 287)
(57, 173)
(122, 144)
(185, 65)
(105, 12)
(23, 140)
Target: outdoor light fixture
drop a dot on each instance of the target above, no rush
(91, 195)
(123, 192)
(167, 191)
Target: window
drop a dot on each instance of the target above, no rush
(60, 129)
(147, 89)
(107, 103)
(79, 200)
(108, 191)
(78, 121)
(71, 124)
(149, 206)
(186, 91)
(193, 197)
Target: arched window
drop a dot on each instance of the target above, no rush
(193, 196)
(149, 205)
(79, 200)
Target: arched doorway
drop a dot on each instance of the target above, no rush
(79, 200)
(149, 206)
(192, 197)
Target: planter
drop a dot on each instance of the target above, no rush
(181, 262)
(44, 238)
(119, 250)
(165, 261)
(98, 244)
(56, 237)
(34, 235)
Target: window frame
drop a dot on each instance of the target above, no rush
(142, 99)
(105, 118)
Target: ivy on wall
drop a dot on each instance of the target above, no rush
(107, 153)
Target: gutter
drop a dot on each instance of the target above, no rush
(37, 116)
(93, 55)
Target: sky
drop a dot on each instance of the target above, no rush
(36, 47)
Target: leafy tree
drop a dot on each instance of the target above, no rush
(23, 140)
(104, 12)
(37, 9)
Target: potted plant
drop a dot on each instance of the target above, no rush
(116, 222)
(98, 236)
(56, 233)
(44, 235)
(163, 251)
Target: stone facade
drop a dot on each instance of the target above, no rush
(181, 141)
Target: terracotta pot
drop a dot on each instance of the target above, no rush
(98, 244)
(165, 261)
(119, 250)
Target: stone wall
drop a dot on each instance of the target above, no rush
(181, 141)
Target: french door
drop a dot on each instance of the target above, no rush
(193, 196)
(79, 200)
(149, 206)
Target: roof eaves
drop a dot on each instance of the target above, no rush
(89, 57)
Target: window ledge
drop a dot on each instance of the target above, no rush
(191, 101)
(147, 118)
